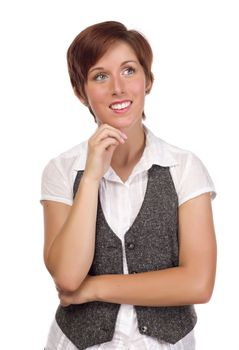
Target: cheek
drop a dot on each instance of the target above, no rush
(96, 96)
(139, 87)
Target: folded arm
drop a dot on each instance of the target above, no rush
(190, 283)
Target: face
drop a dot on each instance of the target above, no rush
(116, 87)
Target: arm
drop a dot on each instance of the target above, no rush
(70, 231)
(70, 236)
(190, 283)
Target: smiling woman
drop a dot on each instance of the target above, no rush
(97, 39)
(116, 88)
(129, 235)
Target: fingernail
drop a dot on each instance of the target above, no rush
(124, 136)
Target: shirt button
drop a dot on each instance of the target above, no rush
(144, 329)
(130, 245)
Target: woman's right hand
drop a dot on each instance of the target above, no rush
(101, 147)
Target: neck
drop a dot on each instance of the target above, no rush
(128, 154)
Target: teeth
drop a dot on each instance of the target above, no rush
(120, 105)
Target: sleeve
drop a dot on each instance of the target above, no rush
(194, 180)
(55, 185)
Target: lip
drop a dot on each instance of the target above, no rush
(123, 110)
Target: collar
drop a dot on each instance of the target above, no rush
(158, 151)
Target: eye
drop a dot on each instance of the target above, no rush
(100, 77)
(129, 71)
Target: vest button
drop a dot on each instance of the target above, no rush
(130, 245)
(144, 329)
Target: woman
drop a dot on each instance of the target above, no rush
(129, 236)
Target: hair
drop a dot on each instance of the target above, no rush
(93, 42)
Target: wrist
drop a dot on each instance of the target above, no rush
(87, 179)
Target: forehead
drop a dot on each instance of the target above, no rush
(117, 52)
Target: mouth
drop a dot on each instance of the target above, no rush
(120, 106)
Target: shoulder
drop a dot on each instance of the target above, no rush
(167, 154)
(69, 160)
(185, 160)
(180, 155)
(190, 175)
(59, 174)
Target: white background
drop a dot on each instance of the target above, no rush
(193, 104)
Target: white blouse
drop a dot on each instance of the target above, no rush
(121, 201)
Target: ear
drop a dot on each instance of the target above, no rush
(148, 86)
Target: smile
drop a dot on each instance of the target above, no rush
(118, 106)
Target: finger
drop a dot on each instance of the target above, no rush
(111, 148)
(109, 132)
(109, 127)
(109, 142)
(114, 130)
(106, 136)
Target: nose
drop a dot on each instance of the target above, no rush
(118, 85)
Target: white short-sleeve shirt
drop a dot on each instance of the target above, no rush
(121, 202)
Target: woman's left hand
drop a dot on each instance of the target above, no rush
(84, 294)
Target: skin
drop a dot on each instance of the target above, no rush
(70, 230)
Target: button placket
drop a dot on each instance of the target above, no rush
(124, 209)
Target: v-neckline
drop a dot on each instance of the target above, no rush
(142, 208)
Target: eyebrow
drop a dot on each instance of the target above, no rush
(102, 68)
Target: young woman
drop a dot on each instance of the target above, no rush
(129, 236)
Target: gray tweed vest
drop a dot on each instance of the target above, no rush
(151, 243)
